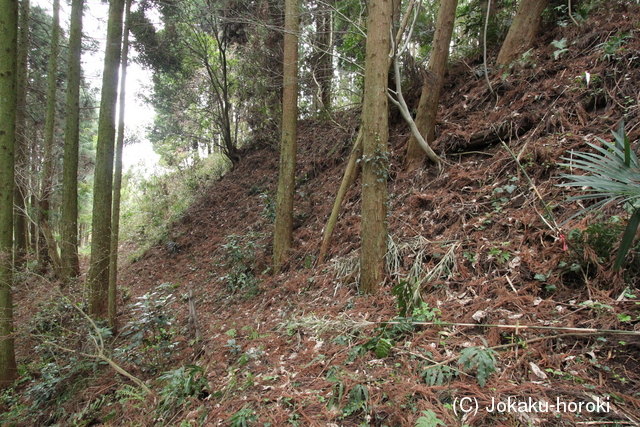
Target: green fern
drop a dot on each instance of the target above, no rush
(429, 419)
(482, 359)
(129, 392)
(243, 418)
(358, 400)
(438, 375)
(383, 347)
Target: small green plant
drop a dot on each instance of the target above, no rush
(613, 176)
(337, 391)
(470, 256)
(409, 302)
(561, 48)
(598, 306)
(129, 393)
(502, 256)
(624, 317)
(526, 59)
(243, 418)
(358, 397)
(182, 384)
(502, 195)
(482, 359)
(91, 412)
(234, 348)
(269, 209)
(426, 313)
(429, 419)
(408, 296)
(239, 255)
(358, 400)
(542, 277)
(439, 375)
(598, 239)
(151, 331)
(612, 48)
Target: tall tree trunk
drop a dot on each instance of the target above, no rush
(49, 132)
(117, 178)
(20, 220)
(8, 71)
(103, 177)
(375, 134)
(288, 146)
(324, 66)
(69, 217)
(523, 30)
(433, 83)
(33, 230)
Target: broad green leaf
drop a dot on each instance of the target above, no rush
(627, 239)
(429, 419)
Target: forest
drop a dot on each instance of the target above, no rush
(365, 213)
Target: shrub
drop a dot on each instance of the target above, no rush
(613, 175)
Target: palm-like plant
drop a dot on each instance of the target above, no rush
(613, 175)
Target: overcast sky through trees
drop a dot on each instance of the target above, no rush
(138, 114)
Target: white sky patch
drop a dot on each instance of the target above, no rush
(138, 115)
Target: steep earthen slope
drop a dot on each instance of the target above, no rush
(305, 348)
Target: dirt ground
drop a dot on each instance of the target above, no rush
(304, 347)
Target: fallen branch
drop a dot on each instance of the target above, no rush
(350, 175)
(503, 346)
(494, 135)
(404, 110)
(99, 355)
(518, 328)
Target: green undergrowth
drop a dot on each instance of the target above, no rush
(152, 204)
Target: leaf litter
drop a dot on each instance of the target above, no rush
(295, 351)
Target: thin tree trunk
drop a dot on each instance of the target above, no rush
(350, 175)
(8, 71)
(375, 136)
(433, 83)
(49, 126)
(523, 30)
(49, 134)
(20, 222)
(324, 68)
(52, 247)
(103, 178)
(283, 233)
(117, 179)
(33, 230)
(69, 217)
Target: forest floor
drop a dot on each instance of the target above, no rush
(515, 307)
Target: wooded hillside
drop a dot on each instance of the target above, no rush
(498, 283)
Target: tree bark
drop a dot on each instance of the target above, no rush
(283, 233)
(433, 83)
(8, 71)
(52, 247)
(49, 132)
(20, 220)
(69, 214)
(103, 178)
(350, 175)
(117, 179)
(523, 30)
(324, 66)
(375, 136)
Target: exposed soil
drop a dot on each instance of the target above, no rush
(300, 355)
